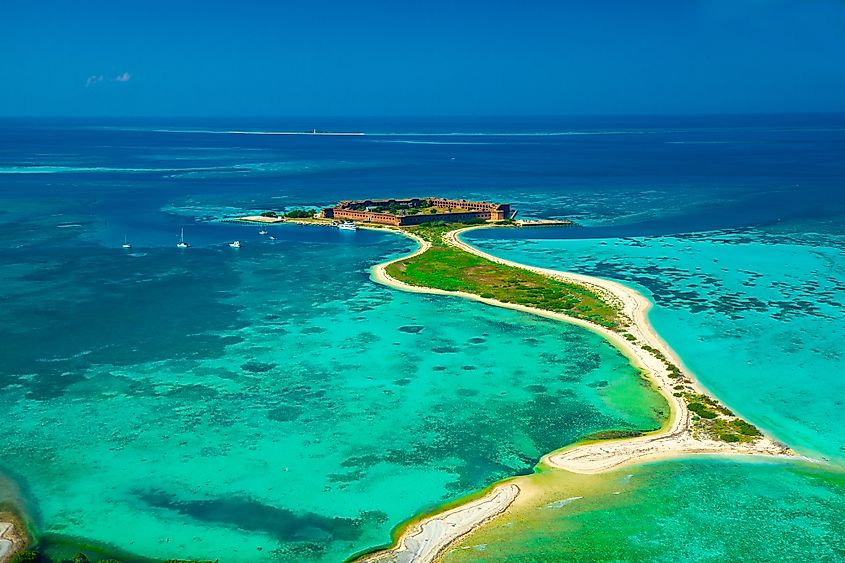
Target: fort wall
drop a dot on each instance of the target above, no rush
(464, 210)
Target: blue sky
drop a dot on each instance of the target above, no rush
(367, 57)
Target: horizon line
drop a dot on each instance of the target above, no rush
(430, 116)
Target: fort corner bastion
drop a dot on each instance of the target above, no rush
(414, 211)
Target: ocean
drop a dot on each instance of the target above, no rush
(273, 402)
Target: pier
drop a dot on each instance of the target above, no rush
(544, 223)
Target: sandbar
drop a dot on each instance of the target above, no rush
(427, 539)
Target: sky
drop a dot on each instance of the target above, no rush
(419, 58)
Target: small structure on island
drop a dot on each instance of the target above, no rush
(413, 211)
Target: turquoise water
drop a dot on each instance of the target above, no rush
(756, 314)
(216, 402)
(703, 510)
(272, 402)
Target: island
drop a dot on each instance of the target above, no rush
(443, 264)
(404, 213)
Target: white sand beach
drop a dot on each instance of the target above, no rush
(425, 540)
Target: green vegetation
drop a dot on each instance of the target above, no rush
(673, 370)
(30, 556)
(707, 403)
(744, 428)
(299, 214)
(25, 556)
(271, 214)
(715, 421)
(392, 207)
(611, 435)
(34, 556)
(701, 410)
(396, 209)
(448, 268)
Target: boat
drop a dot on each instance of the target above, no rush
(182, 243)
(235, 244)
(272, 237)
(347, 226)
(263, 231)
(126, 243)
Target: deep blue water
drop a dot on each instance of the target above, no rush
(626, 177)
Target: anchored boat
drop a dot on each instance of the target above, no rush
(182, 243)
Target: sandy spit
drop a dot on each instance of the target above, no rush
(426, 540)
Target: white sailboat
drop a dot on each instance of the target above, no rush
(182, 243)
(126, 243)
(263, 231)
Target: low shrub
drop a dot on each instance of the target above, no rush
(299, 214)
(701, 410)
(744, 428)
(25, 556)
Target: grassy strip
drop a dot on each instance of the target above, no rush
(451, 269)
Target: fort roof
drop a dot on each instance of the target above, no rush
(413, 211)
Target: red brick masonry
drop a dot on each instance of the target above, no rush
(358, 211)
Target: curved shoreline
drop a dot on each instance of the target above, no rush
(13, 537)
(428, 539)
(673, 440)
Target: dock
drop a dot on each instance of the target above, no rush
(543, 223)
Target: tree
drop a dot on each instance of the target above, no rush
(299, 214)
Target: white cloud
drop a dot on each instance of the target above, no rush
(95, 79)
